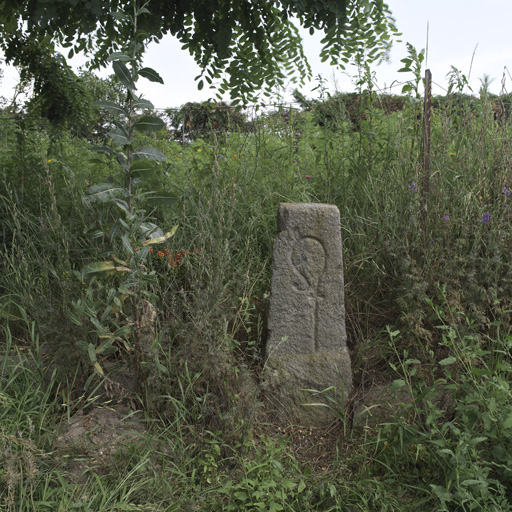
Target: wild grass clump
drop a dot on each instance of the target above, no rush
(28, 411)
(452, 441)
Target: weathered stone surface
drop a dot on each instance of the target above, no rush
(306, 348)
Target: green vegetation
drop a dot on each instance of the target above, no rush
(109, 313)
(179, 332)
(254, 43)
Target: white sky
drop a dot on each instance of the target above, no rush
(456, 28)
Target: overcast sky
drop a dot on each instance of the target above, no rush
(456, 29)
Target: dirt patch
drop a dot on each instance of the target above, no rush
(89, 441)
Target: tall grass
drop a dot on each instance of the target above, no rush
(428, 314)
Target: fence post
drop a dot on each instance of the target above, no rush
(427, 114)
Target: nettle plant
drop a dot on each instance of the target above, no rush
(117, 310)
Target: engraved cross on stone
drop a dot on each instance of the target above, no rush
(307, 343)
(308, 260)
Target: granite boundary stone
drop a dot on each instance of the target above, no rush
(307, 356)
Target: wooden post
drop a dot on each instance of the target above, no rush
(427, 114)
(183, 131)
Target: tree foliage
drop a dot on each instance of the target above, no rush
(60, 95)
(194, 120)
(255, 43)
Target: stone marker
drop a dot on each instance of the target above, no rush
(306, 347)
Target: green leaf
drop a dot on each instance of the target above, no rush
(141, 34)
(134, 47)
(118, 137)
(121, 158)
(149, 123)
(288, 484)
(124, 75)
(94, 233)
(122, 331)
(477, 440)
(151, 75)
(102, 268)
(442, 493)
(103, 149)
(121, 128)
(159, 365)
(150, 154)
(120, 16)
(507, 422)
(106, 347)
(471, 481)
(98, 268)
(127, 244)
(119, 262)
(112, 107)
(150, 279)
(119, 56)
(397, 384)
(200, 85)
(98, 369)
(103, 192)
(278, 465)
(447, 361)
(161, 198)
(91, 351)
(143, 168)
(141, 103)
(481, 372)
(74, 318)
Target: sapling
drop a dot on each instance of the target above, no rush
(117, 309)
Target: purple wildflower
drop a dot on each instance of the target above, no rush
(412, 187)
(308, 177)
(486, 218)
(446, 218)
(506, 191)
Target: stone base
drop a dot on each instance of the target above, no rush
(291, 380)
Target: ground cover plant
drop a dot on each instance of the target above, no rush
(150, 339)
